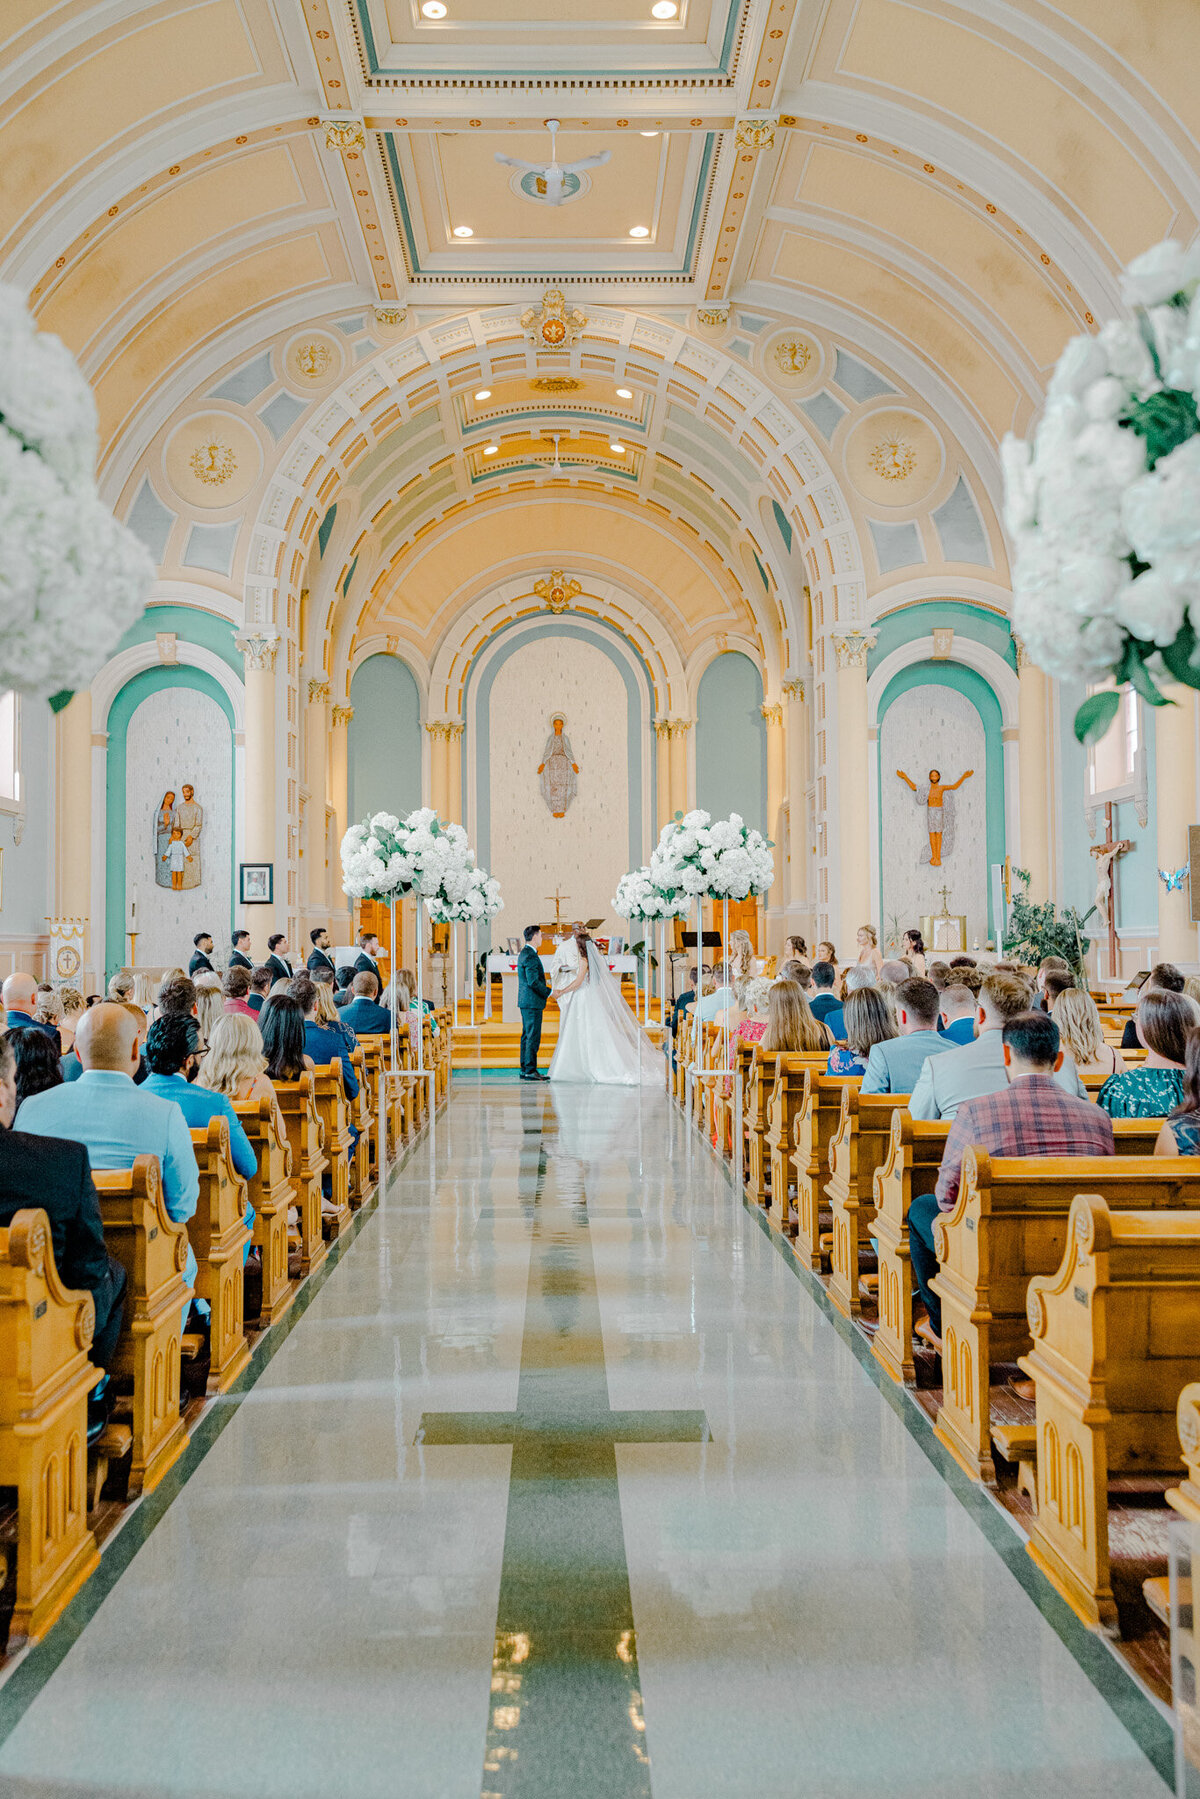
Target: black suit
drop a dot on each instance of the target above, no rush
(279, 968)
(533, 990)
(200, 964)
(56, 1175)
(364, 965)
(239, 959)
(320, 958)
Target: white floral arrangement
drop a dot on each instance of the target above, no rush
(637, 896)
(696, 857)
(466, 896)
(1103, 503)
(72, 579)
(387, 856)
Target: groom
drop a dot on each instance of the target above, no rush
(533, 990)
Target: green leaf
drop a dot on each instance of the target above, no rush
(1183, 657)
(1163, 421)
(1139, 678)
(62, 698)
(1096, 714)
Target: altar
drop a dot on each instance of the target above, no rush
(500, 963)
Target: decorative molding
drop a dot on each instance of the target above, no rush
(557, 591)
(318, 692)
(772, 713)
(712, 316)
(678, 727)
(851, 648)
(1024, 659)
(167, 644)
(795, 690)
(449, 729)
(390, 315)
(553, 325)
(342, 715)
(756, 130)
(943, 643)
(259, 648)
(344, 134)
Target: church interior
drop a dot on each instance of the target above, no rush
(577, 423)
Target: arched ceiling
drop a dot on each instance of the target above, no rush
(934, 194)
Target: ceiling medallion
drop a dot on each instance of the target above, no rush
(390, 315)
(344, 134)
(791, 355)
(556, 384)
(557, 592)
(712, 316)
(314, 360)
(892, 459)
(757, 131)
(552, 324)
(213, 463)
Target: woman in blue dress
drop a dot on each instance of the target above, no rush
(1164, 1022)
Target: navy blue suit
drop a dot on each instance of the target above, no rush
(533, 990)
(366, 1019)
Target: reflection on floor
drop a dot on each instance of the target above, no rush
(564, 1486)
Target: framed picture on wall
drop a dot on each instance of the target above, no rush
(256, 883)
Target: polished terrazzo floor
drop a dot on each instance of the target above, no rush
(564, 1486)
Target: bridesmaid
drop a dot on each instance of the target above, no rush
(913, 947)
(868, 948)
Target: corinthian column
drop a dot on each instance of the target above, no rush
(339, 790)
(796, 726)
(773, 717)
(1175, 806)
(73, 818)
(316, 751)
(258, 647)
(1033, 776)
(437, 766)
(853, 863)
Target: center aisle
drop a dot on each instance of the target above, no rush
(721, 1567)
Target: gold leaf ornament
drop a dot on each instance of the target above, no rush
(213, 463)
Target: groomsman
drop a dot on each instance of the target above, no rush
(320, 957)
(200, 964)
(368, 954)
(241, 957)
(277, 946)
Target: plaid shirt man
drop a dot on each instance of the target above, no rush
(1032, 1117)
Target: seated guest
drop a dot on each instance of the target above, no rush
(790, 1022)
(939, 974)
(48, 1010)
(176, 993)
(364, 1015)
(824, 1000)
(141, 1026)
(1164, 977)
(116, 1121)
(74, 1006)
(260, 987)
(1030, 1116)
(1049, 965)
(1162, 1021)
(201, 962)
(894, 1065)
(974, 1069)
(38, 1064)
(855, 979)
(1082, 1034)
(277, 962)
(55, 1175)
(711, 1005)
(281, 1022)
(210, 1002)
(235, 988)
(1054, 984)
(894, 973)
(239, 955)
(120, 986)
(19, 995)
(963, 961)
(174, 1053)
(756, 1000)
(868, 1021)
(1180, 1135)
(319, 956)
(324, 1043)
(684, 1000)
(330, 1015)
(956, 1014)
(236, 1063)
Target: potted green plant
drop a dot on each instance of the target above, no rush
(1042, 930)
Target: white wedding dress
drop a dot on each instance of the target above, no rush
(599, 1039)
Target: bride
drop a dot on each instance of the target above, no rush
(599, 1039)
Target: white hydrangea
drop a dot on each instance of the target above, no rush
(1160, 273)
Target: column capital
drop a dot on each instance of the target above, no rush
(851, 647)
(259, 647)
(318, 692)
(678, 727)
(1024, 659)
(772, 712)
(794, 690)
(454, 729)
(446, 728)
(662, 728)
(343, 714)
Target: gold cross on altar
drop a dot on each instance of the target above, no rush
(946, 902)
(558, 899)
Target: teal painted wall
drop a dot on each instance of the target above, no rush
(974, 688)
(975, 622)
(119, 715)
(192, 625)
(384, 747)
(1137, 873)
(731, 741)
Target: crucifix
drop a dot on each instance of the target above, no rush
(558, 899)
(1107, 854)
(946, 902)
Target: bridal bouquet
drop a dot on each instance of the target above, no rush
(1103, 504)
(637, 896)
(386, 856)
(72, 579)
(725, 860)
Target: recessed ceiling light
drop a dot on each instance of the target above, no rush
(648, 134)
(664, 9)
(435, 9)
(491, 449)
(485, 393)
(463, 231)
(624, 393)
(639, 231)
(616, 448)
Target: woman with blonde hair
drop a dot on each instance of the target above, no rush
(1082, 1034)
(235, 1064)
(741, 954)
(143, 991)
(868, 947)
(210, 1003)
(754, 998)
(120, 986)
(328, 1014)
(790, 1022)
(74, 1006)
(868, 1022)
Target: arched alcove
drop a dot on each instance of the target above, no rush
(731, 740)
(384, 744)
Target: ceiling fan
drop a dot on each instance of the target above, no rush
(551, 182)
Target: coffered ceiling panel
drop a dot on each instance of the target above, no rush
(620, 37)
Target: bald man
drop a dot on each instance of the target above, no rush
(19, 994)
(115, 1121)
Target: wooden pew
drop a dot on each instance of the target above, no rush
(45, 1378)
(297, 1102)
(330, 1093)
(859, 1146)
(1009, 1224)
(372, 1051)
(816, 1122)
(786, 1098)
(362, 1181)
(910, 1168)
(1116, 1335)
(1186, 1497)
(684, 1050)
(270, 1190)
(153, 1252)
(219, 1235)
(759, 1077)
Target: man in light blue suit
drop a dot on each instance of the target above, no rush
(116, 1121)
(895, 1066)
